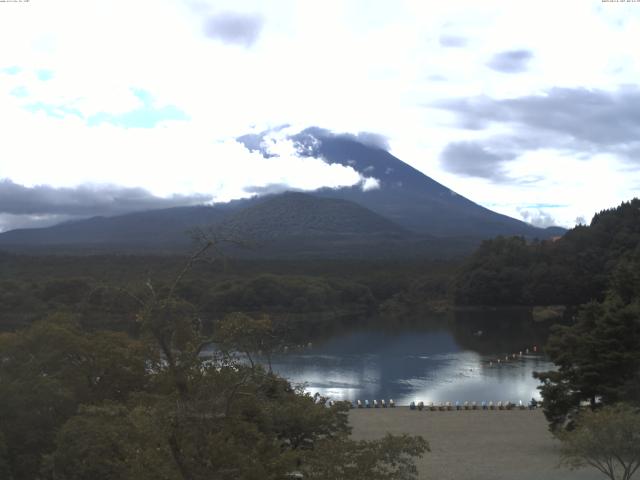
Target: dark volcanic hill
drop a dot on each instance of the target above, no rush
(294, 224)
(294, 214)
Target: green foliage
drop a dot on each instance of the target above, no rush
(279, 293)
(98, 443)
(597, 359)
(252, 336)
(104, 292)
(5, 468)
(573, 270)
(50, 369)
(607, 439)
(79, 403)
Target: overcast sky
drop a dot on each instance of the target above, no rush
(531, 108)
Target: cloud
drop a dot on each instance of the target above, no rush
(369, 183)
(147, 115)
(308, 139)
(512, 61)
(453, 41)
(234, 28)
(472, 159)
(537, 218)
(268, 189)
(84, 200)
(11, 222)
(312, 135)
(578, 120)
(370, 139)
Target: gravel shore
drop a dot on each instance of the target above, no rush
(474, 445)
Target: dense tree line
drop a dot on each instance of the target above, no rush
(594, 269)
(571, 270)
(102, 288)
(597, 356)
(78, 403)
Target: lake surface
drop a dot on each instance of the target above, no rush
(451, 361)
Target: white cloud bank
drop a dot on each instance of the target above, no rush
(348, 66)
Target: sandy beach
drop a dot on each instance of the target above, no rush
(474, 445)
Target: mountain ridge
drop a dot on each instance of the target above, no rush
(406, 211)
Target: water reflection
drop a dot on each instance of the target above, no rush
(433, 363)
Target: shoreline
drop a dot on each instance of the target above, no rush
(474, 444)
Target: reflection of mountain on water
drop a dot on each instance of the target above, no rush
(437, 362)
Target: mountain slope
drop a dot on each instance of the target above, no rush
(406, 195)
(408, 213)
(288, 224)
(294, 214)
(156, 228)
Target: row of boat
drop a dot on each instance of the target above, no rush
(374, 404)
(444, 406)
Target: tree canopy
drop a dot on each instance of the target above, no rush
(78, 404)
(607, 439)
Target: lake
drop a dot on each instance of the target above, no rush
(431, 361)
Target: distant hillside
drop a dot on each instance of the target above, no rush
(294, 214)
(572, 270)
(284, 225)
(407, 214)
(166, 228)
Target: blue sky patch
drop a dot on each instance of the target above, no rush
(19, 92)
(545, 205)
(56, 111)
(10, 70)
(44, 75)
(147, 116)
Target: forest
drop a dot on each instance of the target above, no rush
(571, 270)
(105, 371)
(101, 378)
(595, 271)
